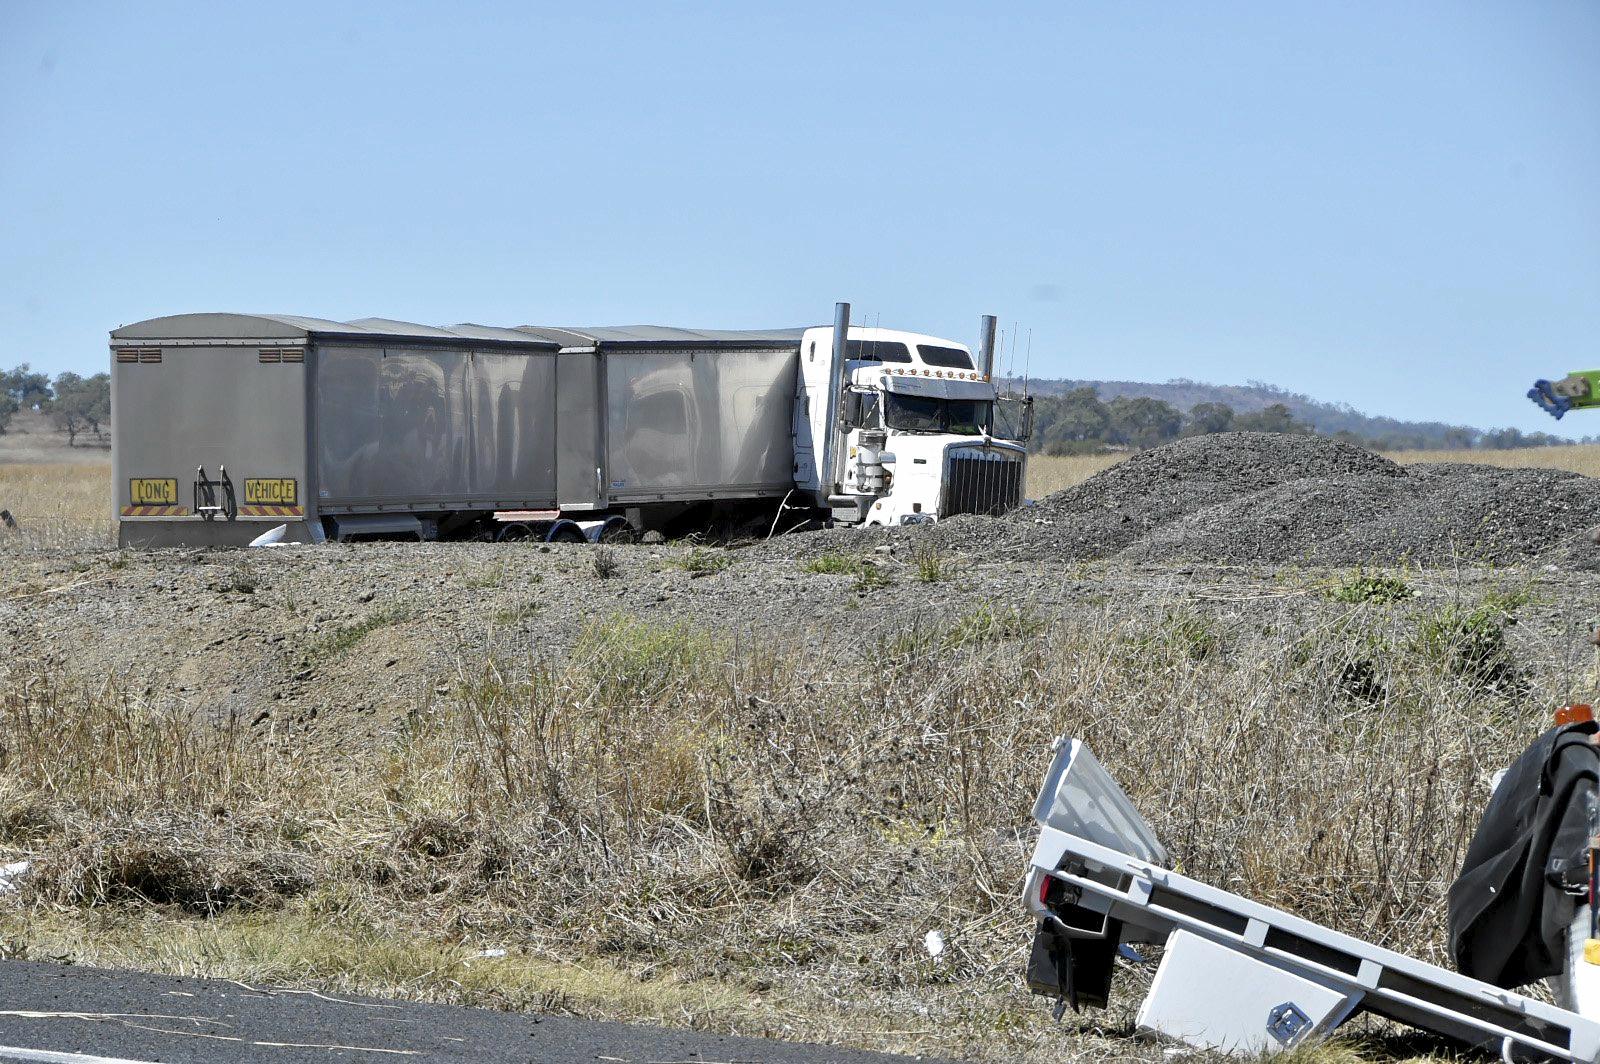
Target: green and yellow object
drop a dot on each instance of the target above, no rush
(1575, 391)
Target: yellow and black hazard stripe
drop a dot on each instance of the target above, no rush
(155, 511)
(271, 511)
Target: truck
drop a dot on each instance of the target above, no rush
(227, 426)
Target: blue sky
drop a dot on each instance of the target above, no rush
(1391, 205)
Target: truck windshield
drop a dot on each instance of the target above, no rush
(917, 413)
(876, 351)
(948, 357)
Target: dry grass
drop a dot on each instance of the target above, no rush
(668, 825)
(32, 437)
(1579, 458)
(340, 954)
(56, 505)
(1048, 474)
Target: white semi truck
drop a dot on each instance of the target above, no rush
(227, 425)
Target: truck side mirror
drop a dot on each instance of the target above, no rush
(852, 409)
(1014, 417)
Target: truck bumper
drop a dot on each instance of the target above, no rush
(148, 534)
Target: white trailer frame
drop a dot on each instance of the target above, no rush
(1244, 977)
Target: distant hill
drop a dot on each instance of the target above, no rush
(1326, 418)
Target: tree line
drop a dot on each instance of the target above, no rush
(75, 404)
(1080, 422)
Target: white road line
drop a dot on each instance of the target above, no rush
(50, 1056)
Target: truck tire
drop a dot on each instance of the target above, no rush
(615, 529)
(564, 531)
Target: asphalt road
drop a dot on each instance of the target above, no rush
(56, 1014)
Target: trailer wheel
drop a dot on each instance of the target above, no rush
(512, 533)
(565, 531)
(616, 529)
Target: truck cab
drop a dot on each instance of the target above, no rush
(919, 430)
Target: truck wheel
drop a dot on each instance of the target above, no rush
(616, 530)
(565, 531)
(512, 533)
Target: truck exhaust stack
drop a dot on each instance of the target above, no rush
(835, 400)
(986, 346)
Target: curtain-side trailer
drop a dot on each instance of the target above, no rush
(229, 424)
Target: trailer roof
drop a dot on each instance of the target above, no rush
(659, 334)
(294, 327)
(290, 326)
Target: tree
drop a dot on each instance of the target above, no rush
(81, 403)
(30, 390)
(8, 407)
(97, 410)
(1144, 422)
(1080, 415)
(1207, 418)
(1275, 418)
(1504, 439)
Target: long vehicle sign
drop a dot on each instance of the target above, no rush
(271, 491)
(153, 491)
(153, 497)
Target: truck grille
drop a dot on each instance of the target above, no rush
(980, 482)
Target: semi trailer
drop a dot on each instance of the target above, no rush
(228, 425)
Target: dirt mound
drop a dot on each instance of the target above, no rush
(1255, 498)
(1242, 461)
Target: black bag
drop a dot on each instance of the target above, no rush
(1527, 865)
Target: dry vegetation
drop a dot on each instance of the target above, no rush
(1579, 458)
(56, 504)
(1048, 474)
(670, 825)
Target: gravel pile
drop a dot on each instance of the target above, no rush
(1256, 498)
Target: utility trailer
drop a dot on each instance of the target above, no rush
(227, 425)
(1237, 976)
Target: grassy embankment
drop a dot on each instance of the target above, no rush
(669, 826)
(665, 825)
